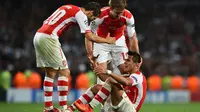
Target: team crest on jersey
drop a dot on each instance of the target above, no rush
(93, 23)
(127, 91)
(133, 25)
(86, 22)
(64, 62)
(121, 23)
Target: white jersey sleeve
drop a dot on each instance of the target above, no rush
(130, 26)
(95, 24)
(134, 78)
(82, 21)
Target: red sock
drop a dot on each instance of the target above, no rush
(85, 98)
(101, 95)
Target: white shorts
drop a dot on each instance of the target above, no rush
(125, 105)
(107, 52)
(113, 53)
(49, 52)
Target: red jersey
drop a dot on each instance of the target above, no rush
(105, 24)
(137, 92)
(64, 17)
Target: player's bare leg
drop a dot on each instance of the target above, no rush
(116, 91)
(104, 65)
(48, 90)
(62, 87)
(116, 94)
(121, 68)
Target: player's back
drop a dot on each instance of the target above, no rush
(61, 19)
(113, 26)
(137, 93)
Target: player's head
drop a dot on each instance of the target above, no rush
(92, 10)
(133, 63)
(117, 7)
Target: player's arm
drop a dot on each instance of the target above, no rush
(89, 50)
(89, 44)
(127, 81)
(133, 41)
(103, 74)
(95, 38)
(82, 20)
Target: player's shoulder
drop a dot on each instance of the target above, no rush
(104, 11)
(136, 74)
(127, 13)
(105, 8)
(71, 7)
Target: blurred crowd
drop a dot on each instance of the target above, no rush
(168, 33)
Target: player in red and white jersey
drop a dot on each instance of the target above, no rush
(127, 92)
(113, 20)
(138, 89)
(49, 54)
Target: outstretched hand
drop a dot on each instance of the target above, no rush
(110, 40)
(93, 61)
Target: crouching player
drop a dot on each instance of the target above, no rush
(127, 91)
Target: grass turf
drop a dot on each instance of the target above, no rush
(26, 107)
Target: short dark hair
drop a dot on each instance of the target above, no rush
(136, 56)
(93, 6)
(117, 4)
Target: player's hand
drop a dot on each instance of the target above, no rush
(93, 61)
(99, 70)
(110, 40)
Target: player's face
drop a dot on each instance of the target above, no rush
(129, 65)
(91, 16)
(116, 12)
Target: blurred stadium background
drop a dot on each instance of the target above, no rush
(169, 40)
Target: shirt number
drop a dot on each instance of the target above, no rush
(124, 55)
(55, 17)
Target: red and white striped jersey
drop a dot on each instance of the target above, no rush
(64, 17)
(105, 24)
(137, 92)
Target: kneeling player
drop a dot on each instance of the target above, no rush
(127, 92)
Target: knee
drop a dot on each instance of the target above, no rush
(111, 81)
(96, 88)
(50, 72)
(65, 72)
(122, 71)
(68, 72)
(121, 68)
(108, 80)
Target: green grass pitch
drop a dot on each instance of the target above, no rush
(25, 107)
